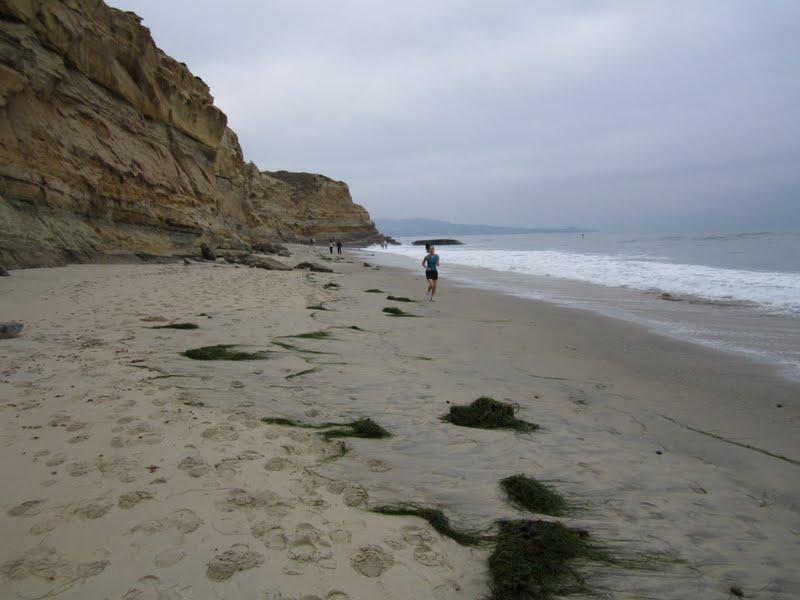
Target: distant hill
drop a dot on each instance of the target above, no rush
(427, 227)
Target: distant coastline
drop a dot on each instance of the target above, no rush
(428, 227)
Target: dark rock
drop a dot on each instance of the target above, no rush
(207, 252)
(10, 329)
(440, 242)
(186, 261)
(270, 248)
(309, 266)
(3, 272)
(270, 264)
(737, 591)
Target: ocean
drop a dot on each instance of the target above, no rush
(738, 292)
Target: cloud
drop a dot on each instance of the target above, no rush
(616, 115)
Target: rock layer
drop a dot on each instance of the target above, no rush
(111, 148)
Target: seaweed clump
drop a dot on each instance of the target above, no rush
(301, 373)
(393, 311)
(534, 560)
(488, 413)
(177, 326)
(373, 291)
(399, 298)
(313, 335)
(223, 352)
(362, 428)
(437, 519)
(317, 307)
(530, 494)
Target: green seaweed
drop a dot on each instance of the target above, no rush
(331, 285)
(393, 311)
(222, 352)
(362, 428)
(313, 335)
(317, 307)
(301, 373)
(529, 494)
(535, 560)
(177, 326)
(488, 413)
(366, 264)
(373, 291)
(399, 298)
(437, 519)
(423, 358)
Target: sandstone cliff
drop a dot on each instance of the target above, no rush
(109, 147)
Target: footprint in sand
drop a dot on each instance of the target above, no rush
(121, 469)
(249, 455)
(245, 418)
(352, 493)
(78, 469)
(183, 521)
(224, 432)
(131, 499)
(372, 560)
(170, 556)
(92, 509)
(395, 542)
(267, 500)
(307, 544)
(279, 463)
(238, 558)
(271, 534)
(415, 536)
(378, 466)
(55, 460)
(46, 563)
(29, 508)
(227, 467)
(151, 587)
(425, 555)
(332, 595)
(194, 466)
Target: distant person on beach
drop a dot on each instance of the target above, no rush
(338, 246)
(330, 245)
(431, 264)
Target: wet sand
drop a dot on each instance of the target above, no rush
(668, 448)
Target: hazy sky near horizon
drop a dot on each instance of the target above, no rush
(621, 116)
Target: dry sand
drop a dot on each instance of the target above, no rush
(133, 472)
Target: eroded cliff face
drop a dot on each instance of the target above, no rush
(109, 147)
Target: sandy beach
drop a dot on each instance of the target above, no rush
(134, 472)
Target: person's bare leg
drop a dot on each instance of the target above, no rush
(433, 288)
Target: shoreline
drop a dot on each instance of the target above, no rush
(607, 394)
(725, 327)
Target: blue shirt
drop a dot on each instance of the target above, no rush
(432, 261)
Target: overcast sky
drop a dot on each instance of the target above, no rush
(621, 116)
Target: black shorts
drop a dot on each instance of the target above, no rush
(431, 274)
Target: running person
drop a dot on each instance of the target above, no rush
(431, 264)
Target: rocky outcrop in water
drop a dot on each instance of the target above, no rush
(109, 148)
